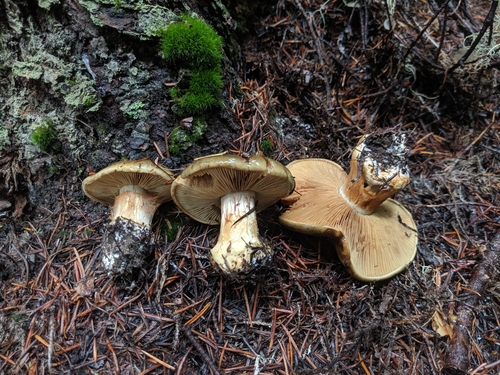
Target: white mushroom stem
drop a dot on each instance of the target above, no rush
(135, 204)
(370, 182)
(238, 244)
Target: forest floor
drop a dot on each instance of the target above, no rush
(302, 80)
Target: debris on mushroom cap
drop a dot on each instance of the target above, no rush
(229, 190)
(373, 244)
(378, 171)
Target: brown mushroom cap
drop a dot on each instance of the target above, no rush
(372, 247)
(105, 185)
(199, 188)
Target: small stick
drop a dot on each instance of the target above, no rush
(165, 136)
(485, 367)
(181, 363)
(204, 355)
(481, 135)
(457, 355)
(474, 141)
(115, 359)
(247, 305)
(423, 30)
(198, 315)
(255, 302)
(158, 150)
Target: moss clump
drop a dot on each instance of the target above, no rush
(45, 137)
(266, 146)
(193, 45)
(203, 94)
(169, 228)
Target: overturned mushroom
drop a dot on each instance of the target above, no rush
(134, 189)
(229, 190)
(375, 237)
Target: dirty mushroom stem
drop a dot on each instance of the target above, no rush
(239, 232)
(371, 180)
(136, 204)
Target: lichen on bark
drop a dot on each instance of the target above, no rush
(132, 17)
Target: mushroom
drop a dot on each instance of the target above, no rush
(134, 189)
(229, 190)
(375, 236)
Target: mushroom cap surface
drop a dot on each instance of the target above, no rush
(372, 247)
(198, 189)
(105, 185)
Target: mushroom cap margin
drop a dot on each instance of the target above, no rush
(198, 189)
(105, 185)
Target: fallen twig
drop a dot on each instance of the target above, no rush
(457, 356)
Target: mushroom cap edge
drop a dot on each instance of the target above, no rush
(197, 192)
(104, 186)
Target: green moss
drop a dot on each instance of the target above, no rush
(183, 138)
(19, 318)
(102, 129)
(203, 94)
(170, 227)
(193, 45)
(266, 146)
(64, 234)
(174, 149)
(45, 137)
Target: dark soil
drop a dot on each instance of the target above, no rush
(309, 79)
